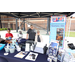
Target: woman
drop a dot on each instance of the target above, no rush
(38, 37)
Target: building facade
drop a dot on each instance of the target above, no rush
(36, 22)
(11, 23)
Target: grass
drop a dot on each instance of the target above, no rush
(71, 34)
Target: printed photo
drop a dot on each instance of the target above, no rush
(59, 35)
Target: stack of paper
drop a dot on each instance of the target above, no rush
(39, 47)
(39, 50)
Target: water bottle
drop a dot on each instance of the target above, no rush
(8, 46)
(17, 47)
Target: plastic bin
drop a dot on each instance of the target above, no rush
(6, 49)
(12, 49)
(2, 46)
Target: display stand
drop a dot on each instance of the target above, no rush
(57, 29)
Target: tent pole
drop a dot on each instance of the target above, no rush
(69, 28)
(16, 26)
(24, 23)
(19, 23)
(48, 24)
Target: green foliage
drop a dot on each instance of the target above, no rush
(5, 28)
(1, 29)
(71, 34)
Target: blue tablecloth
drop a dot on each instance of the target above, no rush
(11, 58)
(22, 41)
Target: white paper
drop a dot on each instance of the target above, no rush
(32, 47)
(29, 57)
(66, 57)
(39, 50)
(27, 47)
(41, 45)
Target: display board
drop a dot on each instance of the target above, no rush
(57, 29)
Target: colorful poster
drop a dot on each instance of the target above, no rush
(57, 29)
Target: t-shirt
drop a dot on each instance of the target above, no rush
(31, 34)
(9, 35)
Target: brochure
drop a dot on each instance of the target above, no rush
(21, 54)
(52, 51)
(31, 56)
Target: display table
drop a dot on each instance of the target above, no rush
(10, 57)
(71, 51)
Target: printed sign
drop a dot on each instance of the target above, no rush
(57, 29)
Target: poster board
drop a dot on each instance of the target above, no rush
(57, 29)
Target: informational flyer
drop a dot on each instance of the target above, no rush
(57, 29)
(21, 54)
(31, 56)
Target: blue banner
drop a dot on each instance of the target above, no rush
(57, 29)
